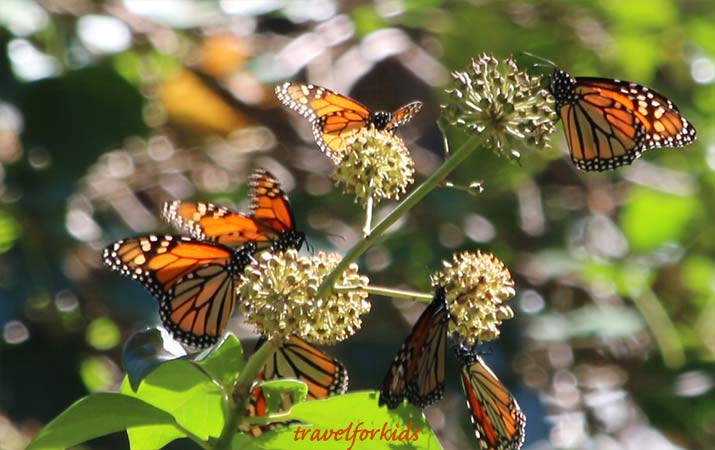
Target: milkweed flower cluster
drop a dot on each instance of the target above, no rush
(477, 285)
(279, 297)
(504, 102)
(376, 165)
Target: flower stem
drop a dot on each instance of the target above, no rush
(389, 292)
(235, 405)
(405, 205)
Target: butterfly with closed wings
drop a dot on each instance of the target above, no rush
(195, 278)
(609, 123)
(336, 117)
(417, 372)
(496, 417)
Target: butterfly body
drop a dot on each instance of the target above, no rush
(417, 372)
(195, 278)
(609, 123)
(335, 117)
(498, 422)
(193, 281)
(270, 224)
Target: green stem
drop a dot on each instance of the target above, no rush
(389, 292)
(235, 405)
(408, 203)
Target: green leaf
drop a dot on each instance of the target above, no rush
(98, 415)
(272, 390)
(651, 218)
(144, 352)
(348, 421)
(182, 389)
(224, 362)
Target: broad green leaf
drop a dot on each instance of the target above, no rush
(98, 415)
(352, 421)
(651, 218)
(144, 351)
(189, 394)
(224, 362)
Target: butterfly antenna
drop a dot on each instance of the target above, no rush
(549, 63)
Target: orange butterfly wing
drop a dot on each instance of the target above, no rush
(297, 359)
(195, 282)
(213, 223)
(609, 123)
(417, 372)
(324, 375)
(404, 114)
(334, 117)
(271, 221)
(496, 417)
(271, 209)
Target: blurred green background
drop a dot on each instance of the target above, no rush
(108, 109)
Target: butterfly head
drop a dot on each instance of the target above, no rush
(562, 86)
(381, 119)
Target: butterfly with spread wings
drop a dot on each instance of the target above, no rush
(336, 117)
(417, 372)
(324, 375)
(609, 123)
(194, 281)
(496, 417)
(270, 224)
(195, 278)
(298, 359)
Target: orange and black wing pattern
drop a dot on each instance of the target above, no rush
(212, 223)
(334, 117)
(270, 208)
(270, 223)
(297, 359)
(404, 114)
(496, 417)
(609, 123)
(193, 281)
(417, 372)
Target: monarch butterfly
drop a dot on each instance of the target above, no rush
(194, 278)
(417, 372)
(336, 117)
(609, 123)
(496, 417)
(194, 281)
(302, 361)
(271, 222)
(324, 375)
